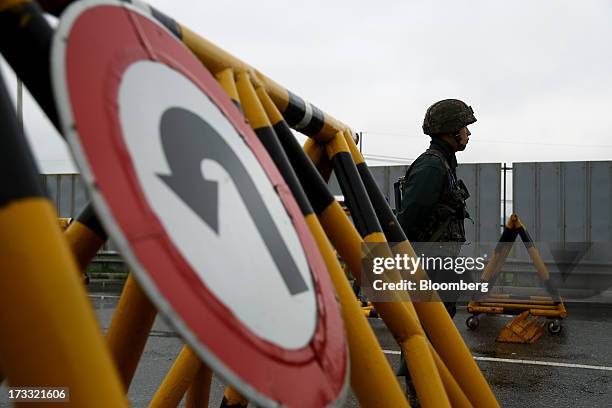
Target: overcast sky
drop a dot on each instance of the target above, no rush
(537, 73)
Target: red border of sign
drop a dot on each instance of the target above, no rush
(103, 42)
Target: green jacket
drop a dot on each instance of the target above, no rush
(431, 197)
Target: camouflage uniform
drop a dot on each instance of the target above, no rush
(433, 199)
(433, 210)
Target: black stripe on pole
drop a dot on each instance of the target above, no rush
(508, 236)
(392, 229)
(54, 7)
(161, 18)
(19, 176)
(25, 43)
(316, 122)
(552, 291)
(88, 217)
(269, 139)
(27, 49)
(295, 111)
(167, 22)
(312, 183)
(226, 404)
(525, 237)
(355, 194)
(548, 285)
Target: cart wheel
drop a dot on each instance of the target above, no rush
(554, 327)
(472, 322)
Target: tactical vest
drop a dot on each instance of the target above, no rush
(445, 221)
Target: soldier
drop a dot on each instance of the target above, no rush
(433, 200)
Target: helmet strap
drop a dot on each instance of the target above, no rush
(460, 146)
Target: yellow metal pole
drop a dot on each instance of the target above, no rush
(531, 300)
(535, 256)
(456, 356)
(130, 328)
(44, 312)
(85, 237)
(49, 335)
(7, 4)
(84, 242)
(524, 306)
(371, 377)
(456, 395)
(515, 227)
(228, 82)
(321, 126)
(316, 153)
(199, 391)
(440, 328)
(64, 222)
(559, 313)
(177, 380)
(472, 308)
(216, 60)
(400, 317)
(449, 344)
(495, 264)
(233, 399)
(497, 259)
(135, 314)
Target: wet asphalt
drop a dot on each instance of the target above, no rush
(586, 339)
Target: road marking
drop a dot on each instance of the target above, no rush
(544, 363)
(530, 362)
(102, 297)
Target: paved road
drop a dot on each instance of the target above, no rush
(544, 374)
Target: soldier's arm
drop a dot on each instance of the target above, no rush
(422, 191)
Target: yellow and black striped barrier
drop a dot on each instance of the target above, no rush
(527, 326)
(371, 377)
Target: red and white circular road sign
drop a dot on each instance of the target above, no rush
(197, 207)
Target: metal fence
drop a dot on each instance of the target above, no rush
(562, 204)
(66, 192)
(567, 209)
(484, 184)
(565, 201)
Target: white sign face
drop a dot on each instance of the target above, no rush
(229, 237)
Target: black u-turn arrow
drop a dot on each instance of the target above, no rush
(187, 140)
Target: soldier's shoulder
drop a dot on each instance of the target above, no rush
(427, 160)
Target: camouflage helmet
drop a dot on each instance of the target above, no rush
(447, 116)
